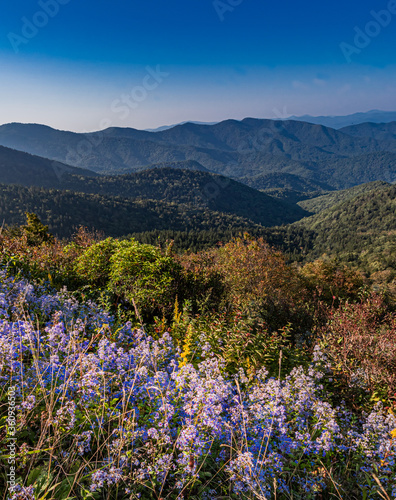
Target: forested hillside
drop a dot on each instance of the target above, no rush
(385, 132)
(319, 203)
(170, 184)
(361, 229)
(195, 188)
(25, 169)
(356, 226)
(65, 211)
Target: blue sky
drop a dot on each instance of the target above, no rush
(83, 65)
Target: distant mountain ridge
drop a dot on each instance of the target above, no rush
(374, 116)
(166, 127)
(257, 152)
(338, 122)
(385, 132)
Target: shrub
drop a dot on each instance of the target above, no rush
(332, 281)
(51, 261)
(93, 266)
(143, 277)
(146, 277)
(205, 286)
(360, 342)
(239, 341)
(259, 283)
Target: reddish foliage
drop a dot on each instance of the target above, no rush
(361, 344)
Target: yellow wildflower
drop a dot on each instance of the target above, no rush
(188, 343)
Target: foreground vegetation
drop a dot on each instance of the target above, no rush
(223, 373)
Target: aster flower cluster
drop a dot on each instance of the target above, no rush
(121, 405)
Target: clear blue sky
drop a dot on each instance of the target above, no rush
(87, 64)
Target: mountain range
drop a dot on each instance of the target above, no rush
(260, 153)
(373, 116)
(183, 184)
(307, 188)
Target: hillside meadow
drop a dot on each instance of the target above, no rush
(130, 371)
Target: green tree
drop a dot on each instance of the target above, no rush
(36, 232)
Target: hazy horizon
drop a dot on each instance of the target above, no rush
(153, 129)
(87, 66)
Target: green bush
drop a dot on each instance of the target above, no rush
(94, 265)
(143, 277)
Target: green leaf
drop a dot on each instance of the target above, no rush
(34, 475)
